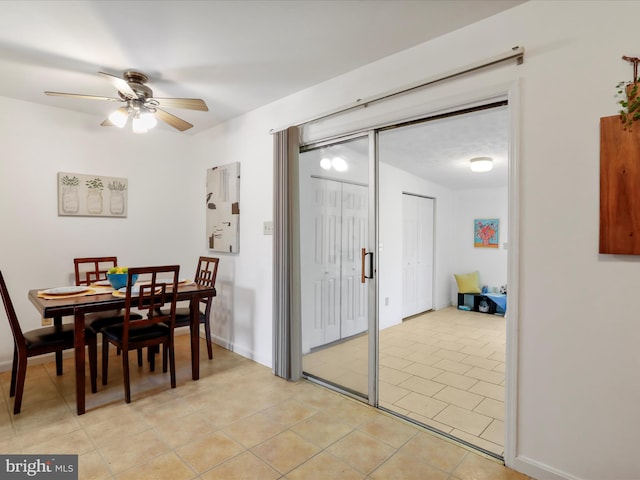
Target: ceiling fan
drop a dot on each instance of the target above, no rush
(139, 104)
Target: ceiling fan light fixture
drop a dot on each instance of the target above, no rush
(325, 163)
(138, 125)
(481, 164)
(119, 118)
(339, 164)
(148, 119)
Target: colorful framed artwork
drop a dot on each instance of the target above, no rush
(485, 232)
(223, 208)
(91, 195)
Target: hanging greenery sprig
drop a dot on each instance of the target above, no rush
(630, 101)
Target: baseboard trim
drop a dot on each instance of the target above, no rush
(539, 470)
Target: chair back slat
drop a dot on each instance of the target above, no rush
(11, 313)
(206, 274)
(151, 296)
(89, 270)
(207, 271)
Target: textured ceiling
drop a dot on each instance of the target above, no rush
(440, 150)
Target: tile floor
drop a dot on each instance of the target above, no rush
(238, 421)
(444, 369)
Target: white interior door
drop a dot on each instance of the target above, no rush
(417, 254)
(424, 250)
(337, 302)
(409, 255)
(355, 212)
(322, 284)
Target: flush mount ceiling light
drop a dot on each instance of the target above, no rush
(481, 164)
(337, 163)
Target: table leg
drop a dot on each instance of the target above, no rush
(195, 338)
(79, 354)
(57, 321)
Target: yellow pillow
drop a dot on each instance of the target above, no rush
(468, 282)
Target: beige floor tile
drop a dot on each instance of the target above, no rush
(395, 362)
(455, 380)
(389, 430)
(461, 398)
(205, 428)
(485, 375)
(324, 466)
(451, 355)
(164, 467)
(91, 466)
(362, 452)
(494, 432)
(322, 429)
(422, 386)
(485, 363)
(422, 405)
(464, 420)
(475, 467)
(478, 441)
(209, 451)
(290, 412)
(183, 429)
(430, 422)
(391, 393)
(130, 450)
(255, 429)
(490, 390)
(452, 366)
(407, 467)
(439, 453)
(285, 451)
(393, 376)
(423, 371)
(76, 442)
(423, 357)
(245, 466)
(491, 408)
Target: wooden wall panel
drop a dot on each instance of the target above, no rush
(619, 187)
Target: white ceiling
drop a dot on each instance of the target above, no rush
(235, 55)
(440, 150)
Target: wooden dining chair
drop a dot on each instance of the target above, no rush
(89, 270)
(152, 297)
(40, 342)
(206, 273)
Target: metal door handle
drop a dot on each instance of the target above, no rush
(364, 256)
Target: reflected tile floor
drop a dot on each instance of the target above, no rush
(238, 421)
(443, 368)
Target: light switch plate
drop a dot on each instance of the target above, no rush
(267, 228)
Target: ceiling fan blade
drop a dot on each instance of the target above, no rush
(172, 120)
(188, 103)
(78, 95)
(121, 84)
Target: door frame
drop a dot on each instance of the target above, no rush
(510, 91)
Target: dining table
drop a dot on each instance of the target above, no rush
(104, 299)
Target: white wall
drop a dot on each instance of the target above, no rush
(165, 210)
(577, 352)
(393, 182)
(491, 263)
(577, 343)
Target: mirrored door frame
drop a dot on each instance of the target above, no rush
(510, 90)
(371, 268)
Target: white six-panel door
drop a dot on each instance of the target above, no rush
(334, 229)
(417, 254)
